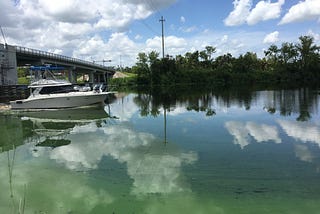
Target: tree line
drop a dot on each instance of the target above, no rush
(290, 63)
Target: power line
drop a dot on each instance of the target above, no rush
(149, 27)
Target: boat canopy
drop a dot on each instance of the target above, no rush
(48, 82)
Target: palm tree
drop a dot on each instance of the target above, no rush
(308, 51)
(289, 53)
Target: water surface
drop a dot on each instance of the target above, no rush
(201, 152)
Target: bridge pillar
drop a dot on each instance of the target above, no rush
(8, 65)
(72, 75)
(91, 77)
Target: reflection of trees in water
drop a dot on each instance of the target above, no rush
(301, 101)
(193, 98)
(13, 131)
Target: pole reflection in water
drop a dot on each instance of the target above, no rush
(165, 125)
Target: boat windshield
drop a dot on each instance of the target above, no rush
(57, 89)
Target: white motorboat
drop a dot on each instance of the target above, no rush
(54, 94)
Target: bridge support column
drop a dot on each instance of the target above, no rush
(105, 78)
(8, 65)
(72, 75)
(91, 77)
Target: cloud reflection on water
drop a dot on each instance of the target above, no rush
(154, 168)
(304, 131)
(303, 153)
(47, 190)
(243, 132)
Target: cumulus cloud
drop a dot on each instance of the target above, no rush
(271, 38)
(243, 12)
(304, 10)
(265, 11)
(174, 45)
(74, 28)
(316, 36)
(240, 12)
(94, 48)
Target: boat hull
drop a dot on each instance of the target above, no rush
(54, 101)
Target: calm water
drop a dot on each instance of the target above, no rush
(180, 152)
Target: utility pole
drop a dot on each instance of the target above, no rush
(162, 20)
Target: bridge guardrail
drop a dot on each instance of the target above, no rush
(35, 52)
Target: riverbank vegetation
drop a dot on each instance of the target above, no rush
(291, 63)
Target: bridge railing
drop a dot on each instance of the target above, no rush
(48, 55)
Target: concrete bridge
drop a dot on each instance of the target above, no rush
(12, 57)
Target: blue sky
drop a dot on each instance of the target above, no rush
(108, 29)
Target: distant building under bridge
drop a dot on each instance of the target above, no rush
(12, 57)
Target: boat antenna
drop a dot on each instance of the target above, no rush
(4, 38)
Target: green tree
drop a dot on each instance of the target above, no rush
(192, 59)
(288, 53)
(273, 57)
(308, 52)
(153, 57)
(210, 50)
(247, 63)
(224, 62)
(155, 67)
(142, 68)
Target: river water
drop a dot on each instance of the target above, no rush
(233, 151)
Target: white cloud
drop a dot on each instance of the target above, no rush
(224, 39)
(316, 36)
(304, 10)
(240, 13)
(173, 45)
(272, 37)
(138, 37)
(188, 29)
(182, 19)
(77, 28)
(265, 11)
(95, 48)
